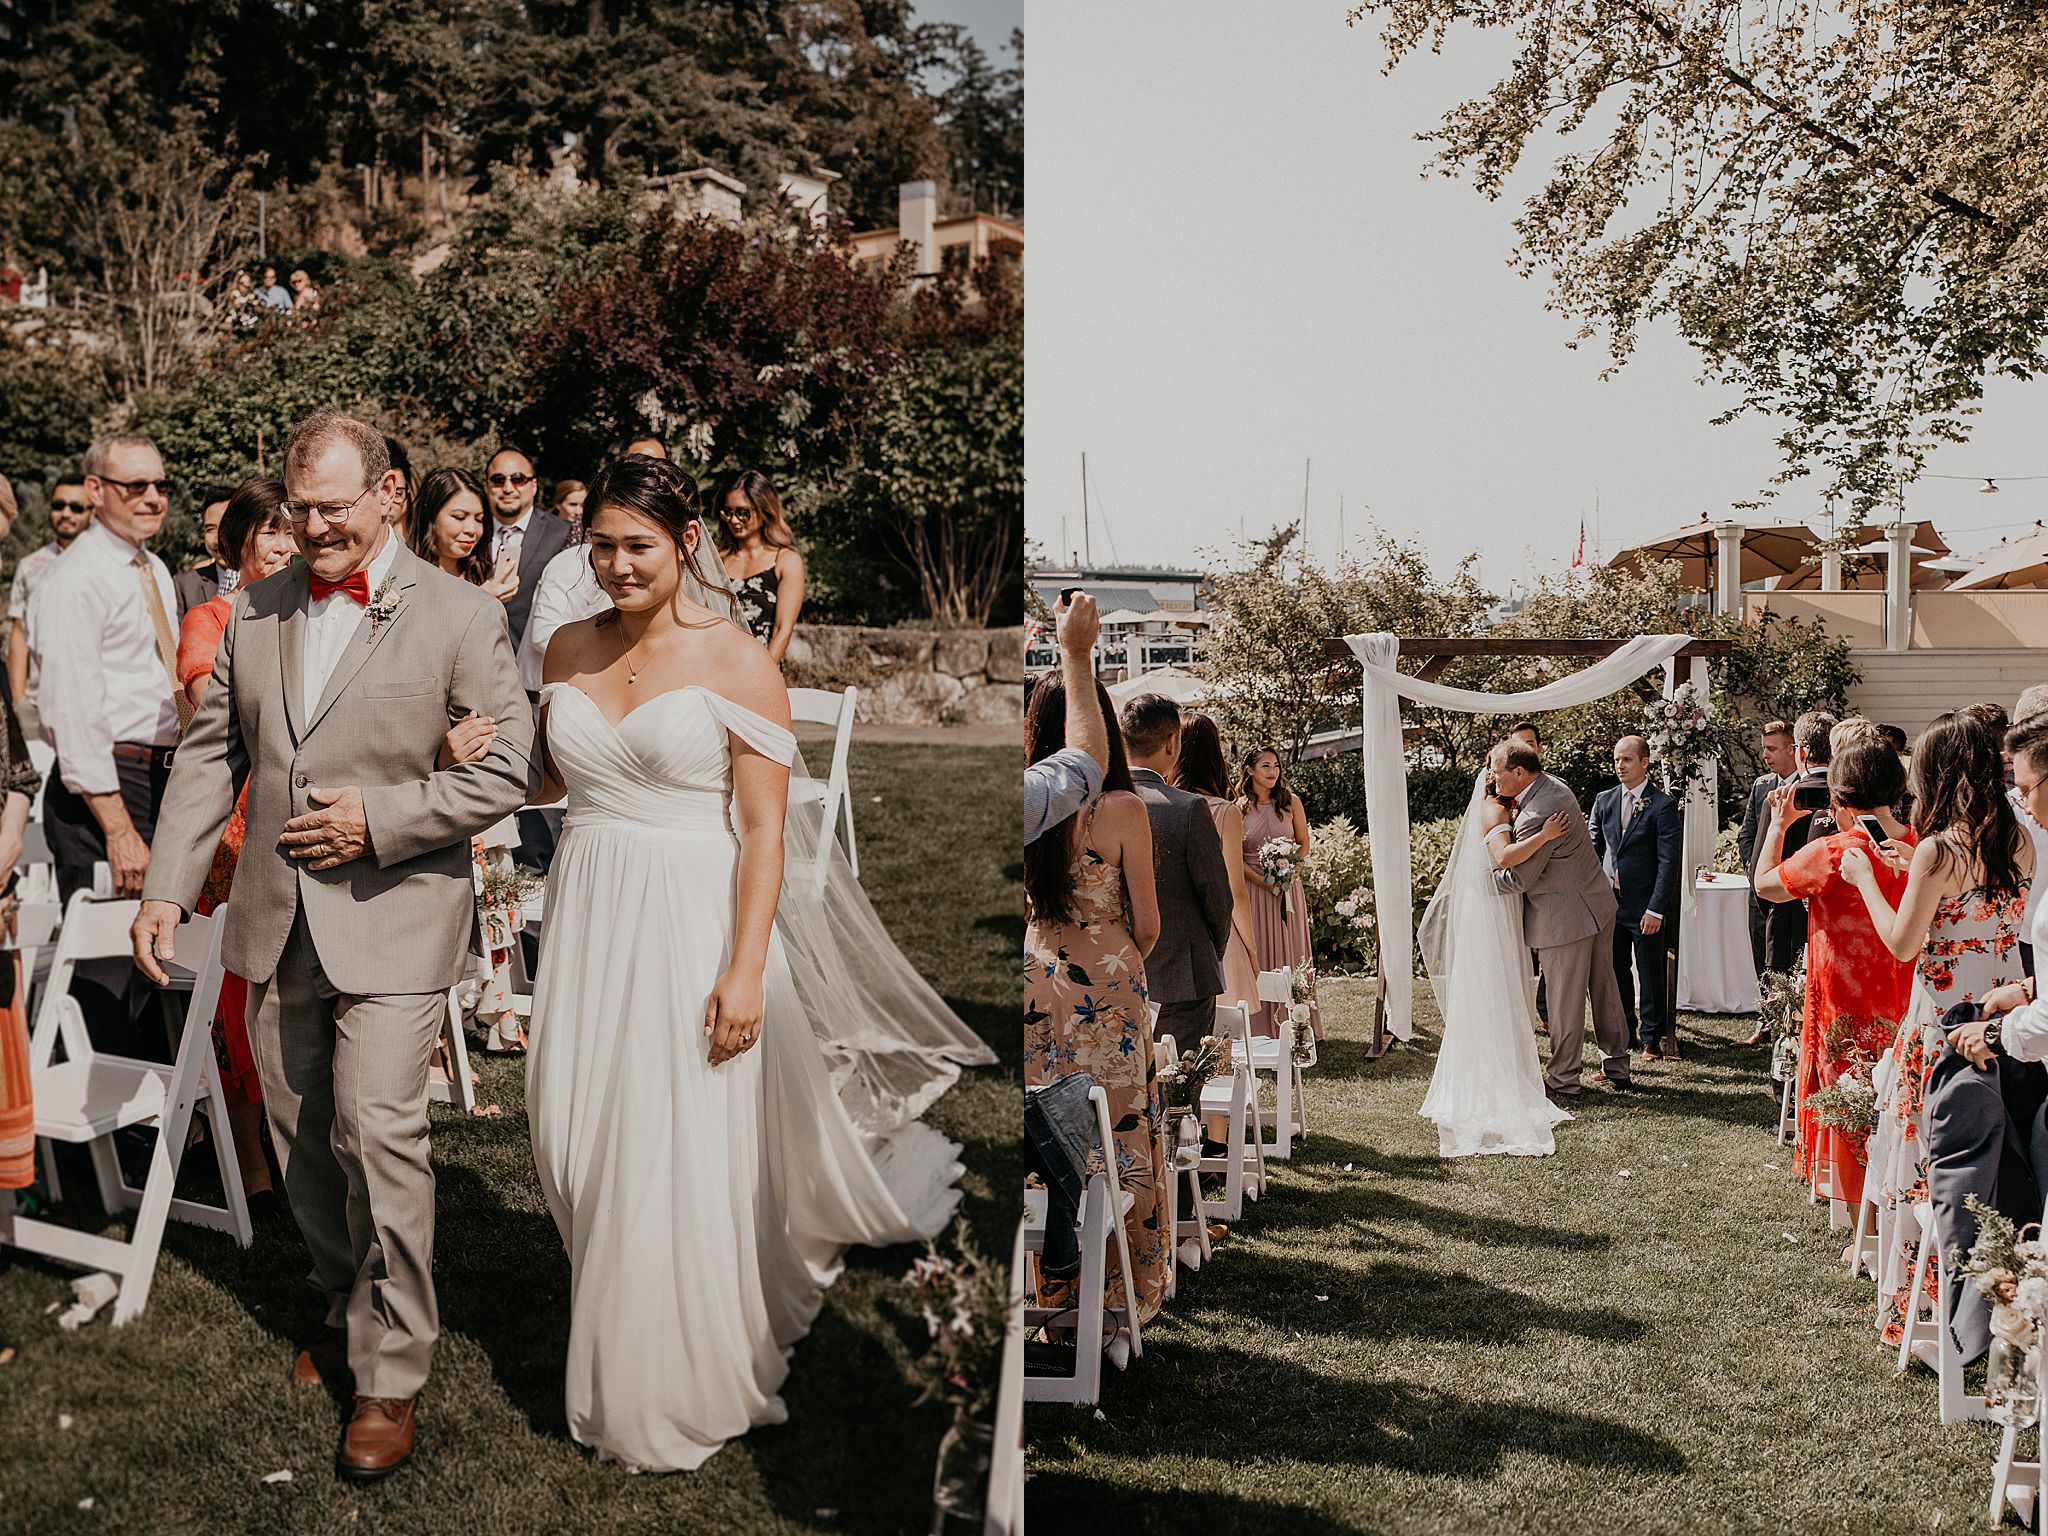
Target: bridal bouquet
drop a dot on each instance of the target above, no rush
(1279, 860)
(1681, 737)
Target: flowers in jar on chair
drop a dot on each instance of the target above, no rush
(2009, 1267)
(1849, 1103)
(1279, 861)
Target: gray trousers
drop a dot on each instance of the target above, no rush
(345, 1086)
(1575, 975)
(1187, 1022)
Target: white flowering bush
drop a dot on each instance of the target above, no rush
(1343, 911)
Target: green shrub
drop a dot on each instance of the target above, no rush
(1339, 867)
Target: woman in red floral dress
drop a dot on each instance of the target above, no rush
(1856, 992)
(1959, 919)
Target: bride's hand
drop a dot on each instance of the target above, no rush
(732, 1016)
(1555, 826)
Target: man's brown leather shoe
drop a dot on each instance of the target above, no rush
(378, 1440)
(323, 1361)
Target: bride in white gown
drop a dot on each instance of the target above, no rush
(1486, 1094)
(703, 1174)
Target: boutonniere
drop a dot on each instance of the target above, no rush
(384, 606)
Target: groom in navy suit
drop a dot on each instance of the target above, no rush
(1639, 834)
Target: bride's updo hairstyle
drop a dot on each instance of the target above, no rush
(661, 493)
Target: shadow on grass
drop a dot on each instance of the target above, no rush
(1373, 1205)
(1386, 1424)
(1076, 1503)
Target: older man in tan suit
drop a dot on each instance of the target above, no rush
(351, 909)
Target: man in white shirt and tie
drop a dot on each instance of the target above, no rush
(107, 650)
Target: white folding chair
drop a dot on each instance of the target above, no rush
(1180, 1175)
(1235, 1099)
(91, 1095)
(1290, 1106)
(1866, 1249)
(1004, 1509)
(821, 706)
(1104, 1206)
(458, 1090)
(1928, 1339)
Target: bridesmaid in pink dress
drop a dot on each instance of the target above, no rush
(1202, 771)
(1279, 919)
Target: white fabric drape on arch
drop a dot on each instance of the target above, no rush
(1386, 776)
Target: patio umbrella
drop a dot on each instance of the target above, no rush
(2021, 562)
(1768, 550)
(1181, 686)
(1863, 571)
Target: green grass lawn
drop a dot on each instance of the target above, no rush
(175, 1418)
(1392, 1342)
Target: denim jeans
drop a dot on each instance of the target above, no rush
(1060, 1136)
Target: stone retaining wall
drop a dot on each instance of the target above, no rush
(916, 676)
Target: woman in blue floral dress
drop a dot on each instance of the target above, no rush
(1092, 916)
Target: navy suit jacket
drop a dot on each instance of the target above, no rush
(1647, 856)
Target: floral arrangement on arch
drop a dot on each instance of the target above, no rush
(1680, 731)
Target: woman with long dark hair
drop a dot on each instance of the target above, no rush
(447, 531)
(1279, 909)
(760, 556)
(701, 1168)
(1203, 771)
(1959, 921)
(1092, 914)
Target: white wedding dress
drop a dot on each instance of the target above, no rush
(705, 1209)
(1486, 1094)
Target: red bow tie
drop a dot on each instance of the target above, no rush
(356, 584)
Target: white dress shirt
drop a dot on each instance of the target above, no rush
(28, 580)
(565, 592)
(2026, 1029)
(331, 621)
(103, 678)
(2039, 886)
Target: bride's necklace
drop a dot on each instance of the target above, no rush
(626, 651)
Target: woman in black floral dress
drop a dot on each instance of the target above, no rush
(760, 556)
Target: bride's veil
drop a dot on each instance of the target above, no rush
(1457, 904)
(892, 1043)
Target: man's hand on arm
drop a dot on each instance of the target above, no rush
(326, 838)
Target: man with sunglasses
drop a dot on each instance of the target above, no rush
(521, 530)
(103, 633)
(70, 511)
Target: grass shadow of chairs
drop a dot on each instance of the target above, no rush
(1386, 1425)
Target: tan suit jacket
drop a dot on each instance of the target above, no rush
(398, 919)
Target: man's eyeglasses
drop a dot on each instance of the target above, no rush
(70, 506)
(301, 512)
(132, 489)
(509, 479)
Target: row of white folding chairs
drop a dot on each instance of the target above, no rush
(91, 1095)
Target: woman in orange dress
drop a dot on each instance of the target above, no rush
(1856, 992)
(255, 541)
(17, 1105)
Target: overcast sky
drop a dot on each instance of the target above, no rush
(1235, 266)
(991, 22)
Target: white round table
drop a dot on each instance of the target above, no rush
(1716, 968)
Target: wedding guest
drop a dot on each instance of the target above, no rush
(70, 511)
(1996, 1110)
(567, 590)
(272, 292)
(760, 556)
(653, 447)
(1279, 910)
(109, 699)
(1812, 750)
(1529, 734)
(1200, 769)
(1856, 990)
(1966, 889)
(529, 536)
(567, 504)
(1780, 763)
(204, 581)
(448, 532)
(2033, 702)
(1090, 907)
(1183, 971)
(399, 515)
(1637, 834)
(1060, 782)
(255, 541)
(1895, 738)
(305, 297)
(18, 784)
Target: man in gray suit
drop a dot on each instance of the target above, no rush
(1567, 918)
(351, 910)
(1183, 973)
